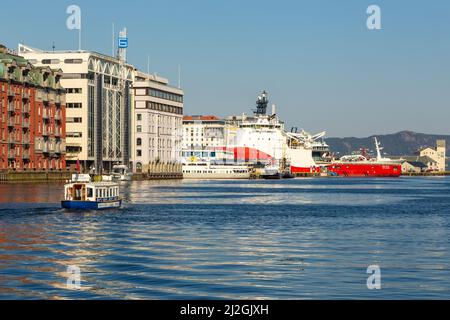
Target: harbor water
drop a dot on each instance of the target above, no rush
(286, 239)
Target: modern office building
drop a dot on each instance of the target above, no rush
(98, 105)
(32, 115)
(157, 122)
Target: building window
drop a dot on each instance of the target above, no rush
(139, 128)
(139, 117)
(73, 90)
(139, 153)
(50, 61)
(74, 120)
(139, 142)
(74, 105)
(73, 61)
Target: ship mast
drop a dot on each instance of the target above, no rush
(379, 148)
(261, 104)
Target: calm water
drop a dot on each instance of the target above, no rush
(291, 239)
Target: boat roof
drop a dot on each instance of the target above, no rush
(97, 184)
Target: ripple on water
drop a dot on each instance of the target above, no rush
(288, 239)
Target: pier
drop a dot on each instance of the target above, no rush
(34, 176)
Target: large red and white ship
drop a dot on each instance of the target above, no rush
(363, 166)
(262, 138)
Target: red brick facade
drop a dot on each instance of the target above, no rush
(32, 120)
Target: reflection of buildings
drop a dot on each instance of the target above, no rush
(98, 104)
(32, 115)
(157, 122)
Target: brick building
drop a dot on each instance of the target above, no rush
(32, 115)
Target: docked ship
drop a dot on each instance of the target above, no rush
(262, 138)
(206, 170)
(363, 166)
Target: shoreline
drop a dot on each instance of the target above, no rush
(63, 176)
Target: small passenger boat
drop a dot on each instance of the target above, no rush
(82, 194)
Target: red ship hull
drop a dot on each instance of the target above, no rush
(305, 170)
(365, 169)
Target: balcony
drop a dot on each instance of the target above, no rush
(26, 108)
(57, 116)
(26, 140)
(46, 114)
(26, 155)
(45, 97)
(26, 125)
(60, 99)
(11, 122)
(12, 140)
(51, 147)
(38, 145)
(11, 153)
(51, 97)
(25, 96)
(45, 147)
(11, 93)
(11, 107)
(45, 132)
(58, 133)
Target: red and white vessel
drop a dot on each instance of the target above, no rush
(362, 166)
(262, 138)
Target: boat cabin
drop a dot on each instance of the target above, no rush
(96, 192)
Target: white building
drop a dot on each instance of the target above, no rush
(437, 154)
(157, 122)
(98, 104)
(203, 132)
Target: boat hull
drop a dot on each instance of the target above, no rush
(365, 170)
(91, 205)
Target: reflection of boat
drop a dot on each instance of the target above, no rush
(121, 173)
(206, 170)
(360, 166)
(82, 194)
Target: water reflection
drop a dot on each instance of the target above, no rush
(309, 238)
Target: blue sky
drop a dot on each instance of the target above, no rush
(322, 67)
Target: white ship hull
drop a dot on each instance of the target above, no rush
(215, 172)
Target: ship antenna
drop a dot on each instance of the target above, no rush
(377, 145)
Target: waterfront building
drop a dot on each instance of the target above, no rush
(410, 163)
(98, 105)
(32, 115)
(157, 124)
(203, 132)
(413, 167)
(437, 154)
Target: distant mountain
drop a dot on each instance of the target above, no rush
(397, 144)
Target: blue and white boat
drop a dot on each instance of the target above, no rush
(82, 194)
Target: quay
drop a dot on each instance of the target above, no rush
(34, 176)
(426, 174)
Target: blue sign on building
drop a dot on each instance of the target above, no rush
(123, 43)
